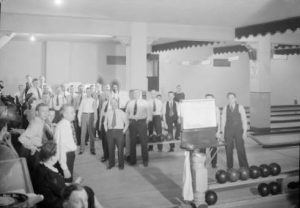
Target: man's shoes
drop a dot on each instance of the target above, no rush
(121, 167)
(150, 148)
(214, 166)
(93, 152)
(171, 150)
(145, 164)
(80, 153)
(103, 159)
(132, 164)
(177, 138)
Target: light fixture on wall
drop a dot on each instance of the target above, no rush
(233, 58)
(32, 38)
(58, 2)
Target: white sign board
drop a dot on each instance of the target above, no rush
(198, 113)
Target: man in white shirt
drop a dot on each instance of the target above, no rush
(171, 118)
(58, 100)
(115, 124)
(156, 107)
(35, 90)
(234, 127)
(87, 118)
(20, 95)
(139, 116)
(115, 92)
(34, 136)
(106, 106)
(65, 138)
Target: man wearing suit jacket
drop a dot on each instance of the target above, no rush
(171, 118)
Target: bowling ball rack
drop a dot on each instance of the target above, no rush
(252, 185)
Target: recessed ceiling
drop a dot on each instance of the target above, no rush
(225, 13)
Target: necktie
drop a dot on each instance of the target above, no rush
(73, 133)
(171, 109)
(106, 107)
(57, 100)
(39, 94)
(114, 120)
(135, 108)
(47, 134)
(154, 106)
(72, 100)
(80, 99)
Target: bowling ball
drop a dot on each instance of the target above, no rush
(233, 175)
(264, 170)
(244, 173)
(263, 189)
(293, 185)
(275, 169)
(221, 176)
(211, 197)
(254, 172)
(274, 188)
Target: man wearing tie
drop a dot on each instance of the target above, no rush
(87, 117)
(79, 98)
(35, 90)
(58, 100)
(139, 115)
(171, 118)
(234, 128)
(156, 107)
(65, 138)
(115, 124)
(106, 106)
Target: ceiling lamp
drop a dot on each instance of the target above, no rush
(32, 38)
(58, 2)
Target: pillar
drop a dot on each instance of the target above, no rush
(138, 57)
(199, 177)
(260, 86)
(125, 40)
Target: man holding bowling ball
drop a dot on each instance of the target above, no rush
(234, 128)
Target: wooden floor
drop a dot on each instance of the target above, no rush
(159, 185)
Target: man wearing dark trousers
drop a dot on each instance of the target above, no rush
(156, 108)
(106, 106)
(79, 98)
(139, 115)
(234, 128)
(115, 124)
(213, 150)
(171, 118)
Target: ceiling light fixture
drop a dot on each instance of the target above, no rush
(58, 2)
(32, 38)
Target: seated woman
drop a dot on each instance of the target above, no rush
(76, 196)
(48, 181)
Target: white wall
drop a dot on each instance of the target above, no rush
(285, 80)
(65, 62)
(198, 80)
(17, 59)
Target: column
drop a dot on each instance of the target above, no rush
(125, 40)
(138, 57)
(260, 86)
(199, 178)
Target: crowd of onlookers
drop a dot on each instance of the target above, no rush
(50, 126)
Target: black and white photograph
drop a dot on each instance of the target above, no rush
(149, 103)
